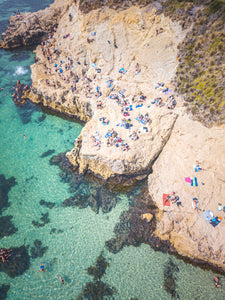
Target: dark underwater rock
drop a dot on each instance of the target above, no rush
(169, 272)
(134, 230)
(98, 270)
(3, 291)
(86, 191)
(47, 153)
(5, 186)
(6, 226)
(50, 205)
(18, 262)
(97, 290)
(45, 219)
(38, 250)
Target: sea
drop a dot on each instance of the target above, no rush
(69, 240)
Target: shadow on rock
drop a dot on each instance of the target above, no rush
(18, 262)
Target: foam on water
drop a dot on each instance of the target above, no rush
(20, 71)
(74, 237)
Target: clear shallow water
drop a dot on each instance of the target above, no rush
(78, 235)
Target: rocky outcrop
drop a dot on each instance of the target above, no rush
(30, 29)
(190, 144)
(109, 161)
(77, 72)
(101, 45)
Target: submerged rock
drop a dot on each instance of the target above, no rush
(45, 220)
(50, 205)
(97, 289)
(133, 229)
(170, 272)
(18, 262)
(6, 226)
(5, 186)
(38, 250)
(4, 288)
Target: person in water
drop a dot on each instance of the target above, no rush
(216, 279)
(42, 268)
(61, 279)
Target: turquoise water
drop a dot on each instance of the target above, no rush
(74, 237)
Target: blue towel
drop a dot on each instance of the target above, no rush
(140, 105)
(196, 183)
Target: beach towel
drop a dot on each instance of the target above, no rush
(188, 179)
(166, 201)
(194, 181)
(167, 92)
(208, 215)
(140, 105)
(215, 221)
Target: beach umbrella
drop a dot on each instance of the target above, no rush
(208, 215)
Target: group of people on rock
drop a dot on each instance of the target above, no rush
(5, 254)
(20, 89)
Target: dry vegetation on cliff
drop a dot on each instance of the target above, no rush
(200, 74)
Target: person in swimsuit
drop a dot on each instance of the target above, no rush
(216, 279)
(42, 268)
(61, 279)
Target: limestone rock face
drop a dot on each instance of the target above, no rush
(108, 161)
(190, 144)
(29, 29)
(104, 42)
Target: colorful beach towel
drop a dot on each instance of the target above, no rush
(166, 200)
(188, 179)
(194, 181)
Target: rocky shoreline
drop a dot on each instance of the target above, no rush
(114, 72)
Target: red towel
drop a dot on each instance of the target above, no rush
(166, 202)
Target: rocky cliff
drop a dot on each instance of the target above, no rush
(29, 29)
(113, 69)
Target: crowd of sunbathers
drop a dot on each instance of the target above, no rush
(113, 139)
(5, 254)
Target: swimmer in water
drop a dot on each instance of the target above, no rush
(60, 278)
(216, 279)
(42, 268)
